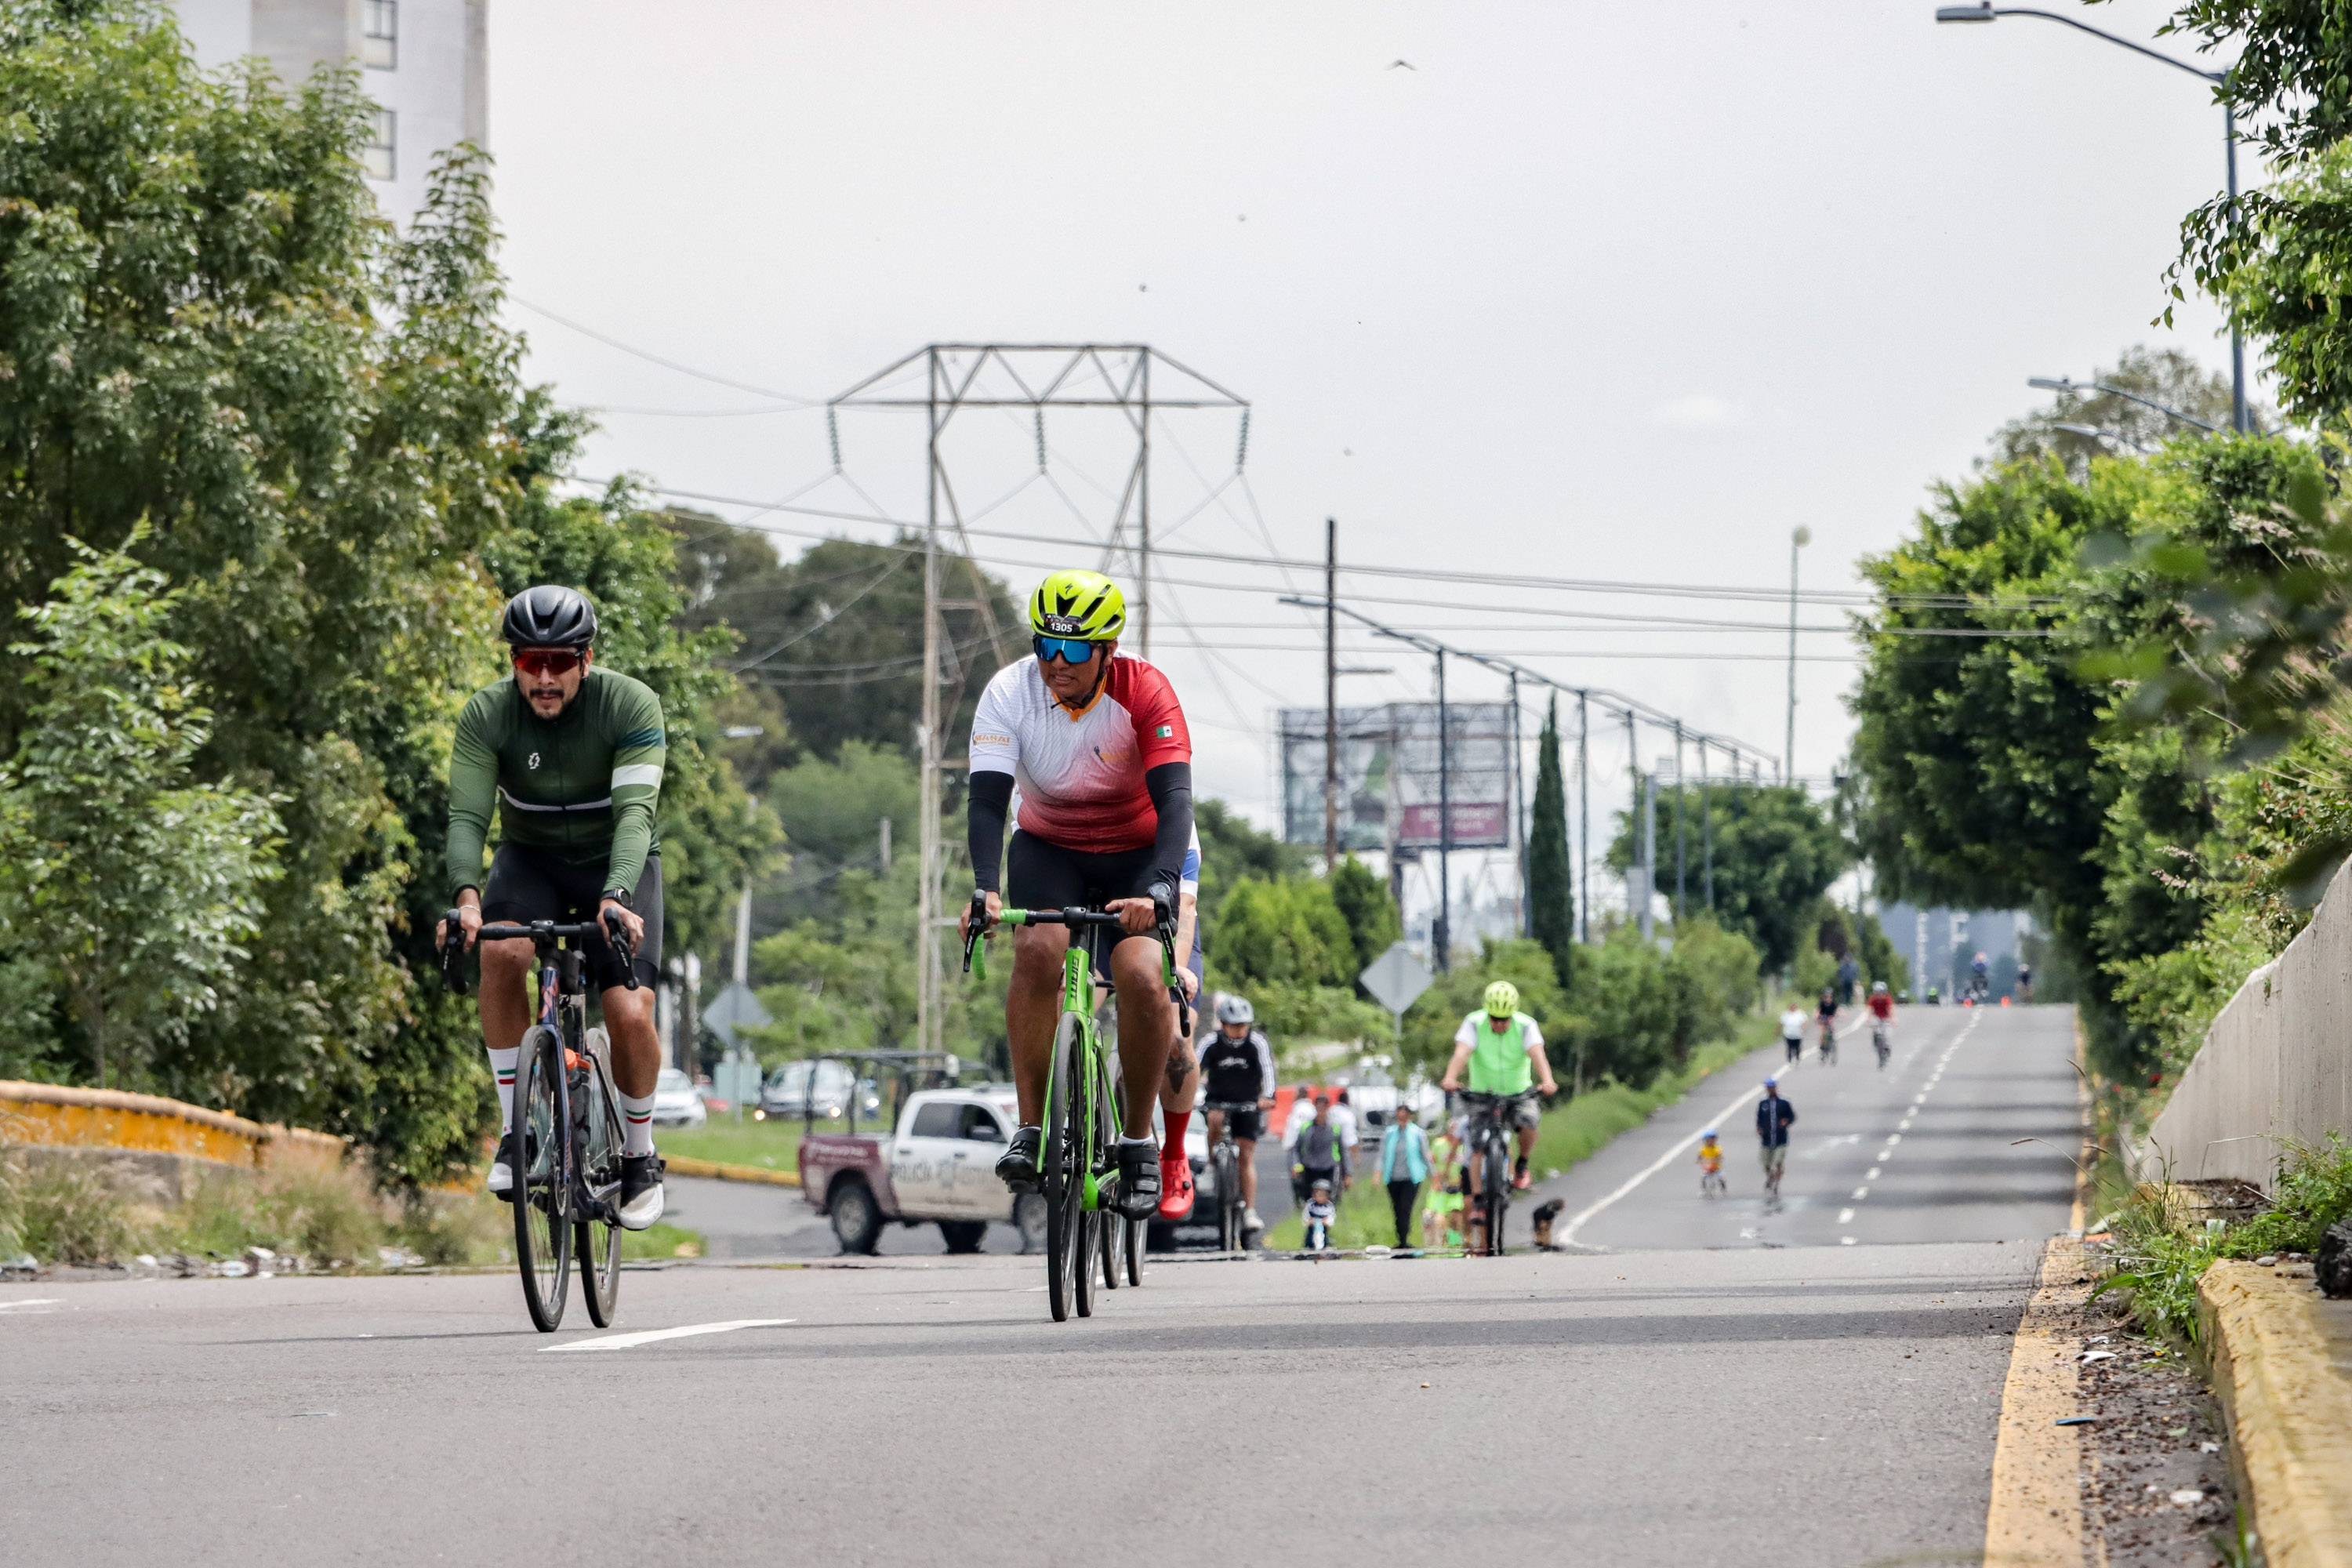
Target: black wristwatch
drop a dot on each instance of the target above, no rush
(615, 895)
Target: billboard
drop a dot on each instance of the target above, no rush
(1388, 775)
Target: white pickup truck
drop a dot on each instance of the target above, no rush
(938, 1167)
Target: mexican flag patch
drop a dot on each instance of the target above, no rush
(1166, 732)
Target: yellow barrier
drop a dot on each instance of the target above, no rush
(685, 1165)
(111, 1119)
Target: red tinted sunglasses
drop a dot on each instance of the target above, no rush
(546, 661)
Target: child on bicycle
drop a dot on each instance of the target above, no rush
(1320, 1212)
(1710, 1160)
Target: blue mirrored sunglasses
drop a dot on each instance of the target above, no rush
(1069, 650)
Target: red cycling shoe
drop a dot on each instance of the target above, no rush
(1175, 1186)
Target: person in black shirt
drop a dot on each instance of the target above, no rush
(1237, 1082)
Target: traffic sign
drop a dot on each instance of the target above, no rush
(734, 1008)
(1396, 979)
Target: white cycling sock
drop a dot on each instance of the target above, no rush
(636, 1123)
(503, 1070)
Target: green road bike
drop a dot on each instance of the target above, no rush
(1077, 1158)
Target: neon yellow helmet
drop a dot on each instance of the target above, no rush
(1077, 604)
(1502, 999)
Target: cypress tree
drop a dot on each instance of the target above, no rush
(1551, 909)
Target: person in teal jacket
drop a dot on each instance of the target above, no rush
(1404, 1165)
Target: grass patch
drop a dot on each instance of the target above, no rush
(775, 1145)
(663, 1240)
(65, 1214)
(2161, 1248)
(329, 1215)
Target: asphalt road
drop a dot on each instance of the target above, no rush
(1775, 1398)
(1923, 1150)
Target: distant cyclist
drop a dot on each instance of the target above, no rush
(1793, 1030)
(570, 757)
(1882, 1020)
(1098, 744)
(1504, 1050)
(1774, 1116)
(2026, 982)
(1979, 978)
(1828, 1012)
(1237, 1068)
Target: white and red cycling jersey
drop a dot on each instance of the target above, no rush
(1080, 773)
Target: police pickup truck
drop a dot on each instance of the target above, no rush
(937, 1168)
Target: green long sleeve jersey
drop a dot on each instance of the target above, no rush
(582, 785)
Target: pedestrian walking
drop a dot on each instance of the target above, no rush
(1319, 1154)
(1405, 1166)
(1773, 1117)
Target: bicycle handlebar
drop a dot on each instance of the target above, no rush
(543, 934)
(978, 925)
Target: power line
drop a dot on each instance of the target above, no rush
(650, 358)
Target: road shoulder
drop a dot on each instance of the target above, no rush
(2036, 1514)
(2282, 1367)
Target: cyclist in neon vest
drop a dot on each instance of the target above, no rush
(1504, 1050)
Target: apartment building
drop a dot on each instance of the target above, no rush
(424, 62)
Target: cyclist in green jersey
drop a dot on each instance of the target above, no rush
(1504, 1050)
(571, 757)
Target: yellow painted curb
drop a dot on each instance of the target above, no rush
(2036, 1515)
(681, 1165)
(2290, 1408)
(110, 1118)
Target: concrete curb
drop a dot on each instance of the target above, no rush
(2036, 1513)
(711, 1170)
(2288, 1390)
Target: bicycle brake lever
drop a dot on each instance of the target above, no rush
(453, 953)
(617, 933)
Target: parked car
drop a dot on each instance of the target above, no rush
(937, 1167)
(822, 1089)
(676, 1102)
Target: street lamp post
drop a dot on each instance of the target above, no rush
(1989, 12)
(2062, 384)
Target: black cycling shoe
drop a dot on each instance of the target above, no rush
(1017, 1166)
(1138, 1178)
(641, 1191)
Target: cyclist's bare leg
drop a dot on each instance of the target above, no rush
(1179, 1082)
(1526, 1143)
(636, 1045)
(1146, 1020)
(506, 993)
(1033, 1006)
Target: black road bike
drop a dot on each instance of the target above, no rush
(1225, 1166)
(567, 1122)
(1490, 1159)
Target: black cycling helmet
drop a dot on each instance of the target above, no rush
(549, 615)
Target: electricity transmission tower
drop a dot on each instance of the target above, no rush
(945, 380)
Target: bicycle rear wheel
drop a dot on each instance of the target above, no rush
(598, 1243)
(1226, 1163)
(542, 1240)
(1093, 1142)
(1136, 1235)
(1113, 1226)
(1064, 1175)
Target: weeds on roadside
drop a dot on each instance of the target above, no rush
(2315, 1191)
(67, 1211)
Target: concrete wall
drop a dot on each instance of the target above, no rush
(2276, 1067)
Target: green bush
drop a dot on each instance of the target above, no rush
(2315, 1191)
(62, 1212)
(1288, 931)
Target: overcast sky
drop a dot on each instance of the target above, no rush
(1620, 292)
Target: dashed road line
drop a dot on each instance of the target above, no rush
(647, 1336)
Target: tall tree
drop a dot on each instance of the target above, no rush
(1775, 850)
(1365, 903)
(1551, 900)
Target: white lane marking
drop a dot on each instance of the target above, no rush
(31, 1301)
(1871, 1174)
(1845, 1217)
(1845, 1241)
(1893, 1139)
(647, 1336)
(1859, 1194)
(1904, 1125)
(1567, 1236)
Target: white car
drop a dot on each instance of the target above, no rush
(676, 1102)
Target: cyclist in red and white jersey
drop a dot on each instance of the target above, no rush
(1097, 744)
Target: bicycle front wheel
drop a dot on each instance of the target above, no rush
(598, 1242)
(1094, 1121)
(543, 1238)
(1498, 1191)
(1064, 1175)
(1226, 1163)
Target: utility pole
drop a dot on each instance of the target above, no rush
(1518, 798)
(1633, 767)
(1583, 819)
(1331, 695)
(1649, 826)
(927, 810)
(1682, 837)
(1797, 541)
(1707, 824)
(1444, 944)
(1143, 511)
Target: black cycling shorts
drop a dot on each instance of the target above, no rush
(1042, 875)
(1246, 1126)
(528, 885)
